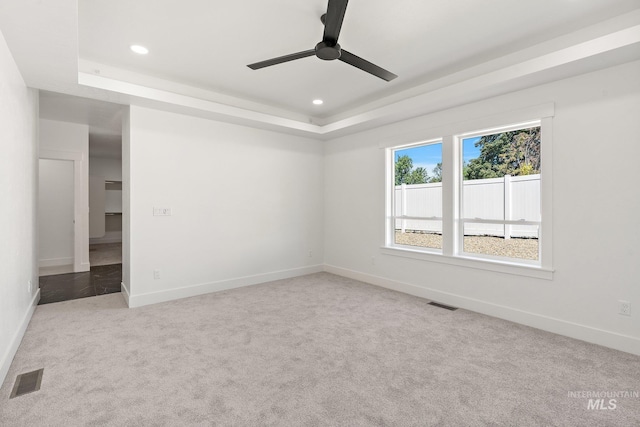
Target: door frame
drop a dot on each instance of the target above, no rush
(77, 159)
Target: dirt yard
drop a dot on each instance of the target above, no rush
(514, 248)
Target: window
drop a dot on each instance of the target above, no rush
(472, 198)
(500, 194)
(417, 211)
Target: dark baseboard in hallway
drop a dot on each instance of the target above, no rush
(101, 280)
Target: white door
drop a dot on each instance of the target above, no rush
(56, 215)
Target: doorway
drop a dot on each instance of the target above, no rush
(60, 236)
(75, 131)
(63, 274)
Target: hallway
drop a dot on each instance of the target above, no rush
(100, 280)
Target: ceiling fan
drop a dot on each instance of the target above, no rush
(329, 49)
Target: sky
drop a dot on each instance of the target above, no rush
(428, 156)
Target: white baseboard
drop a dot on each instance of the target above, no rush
(55, 262)
(8, 356)
(205, 288)
(562, 327)
(50, 271)
(99, 240)
(125, 293)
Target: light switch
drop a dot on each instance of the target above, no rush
(161, 211)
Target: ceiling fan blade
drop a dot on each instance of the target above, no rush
(281, 59)
(333, 20)
(367, 66)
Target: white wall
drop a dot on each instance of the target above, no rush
(595, 132)
(109, 169)
(19, 292)
(96, 207)
(72, 139)
(55, 213)
(126, 203)
(247, 205)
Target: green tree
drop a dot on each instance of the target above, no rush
(418, 175)
(512, 153)
(404, 164)
(437, 173)
(406, 174)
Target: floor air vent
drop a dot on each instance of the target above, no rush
(446, 307)
(27, 383)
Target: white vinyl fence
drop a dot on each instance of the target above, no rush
(509, 198)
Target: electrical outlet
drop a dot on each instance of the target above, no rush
(29, 286)
(156, 274)
(624, 308)
(310, 254)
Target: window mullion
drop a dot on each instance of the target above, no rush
(497, 221)
(450, 156)
(546, 141)
(427, 218)
(390, 196)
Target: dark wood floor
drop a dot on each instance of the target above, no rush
(101, 280)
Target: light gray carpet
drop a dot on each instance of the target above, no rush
(314, 350)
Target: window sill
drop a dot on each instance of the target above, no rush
(461, 261)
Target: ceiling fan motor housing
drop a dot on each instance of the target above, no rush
(328, 52)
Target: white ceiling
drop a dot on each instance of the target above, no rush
(444, 53)
(103, 118)
(208, 44)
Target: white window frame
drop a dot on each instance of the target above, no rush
(391, 216)
(464, 220)
(451, 137)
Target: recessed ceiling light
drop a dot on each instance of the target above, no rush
(318, 101)
(139, 49)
